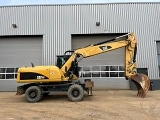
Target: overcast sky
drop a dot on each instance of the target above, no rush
(29, 2)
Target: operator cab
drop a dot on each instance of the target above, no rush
(74, 68)
(61, 59)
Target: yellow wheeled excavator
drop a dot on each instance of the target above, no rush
(41, 80)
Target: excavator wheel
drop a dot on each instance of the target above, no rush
(33, 94)
(142, 83)
(75, 93)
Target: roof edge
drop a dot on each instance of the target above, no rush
(80, 4)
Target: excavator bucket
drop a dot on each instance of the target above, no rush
(142, 83)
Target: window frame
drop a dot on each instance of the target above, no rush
(7, 74)
(102, 71)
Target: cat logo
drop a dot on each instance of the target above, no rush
(104, 48)
(40, 77)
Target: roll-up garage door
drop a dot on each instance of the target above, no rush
(17, 51)
(20, 51)
(107, 68)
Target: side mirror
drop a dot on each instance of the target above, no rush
(65, 68)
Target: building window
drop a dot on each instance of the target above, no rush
(8, 73)
(158, 55)
(101, 71)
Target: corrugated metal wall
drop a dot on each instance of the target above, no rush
(57, 22)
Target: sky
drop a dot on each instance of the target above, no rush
(33, 2)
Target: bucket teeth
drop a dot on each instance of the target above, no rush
(142, 83)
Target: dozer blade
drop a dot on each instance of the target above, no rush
(142, 83)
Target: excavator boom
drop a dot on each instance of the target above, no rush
(141, 81)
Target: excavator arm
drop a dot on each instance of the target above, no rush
(141, 81)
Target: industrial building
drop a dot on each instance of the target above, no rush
(37, 33)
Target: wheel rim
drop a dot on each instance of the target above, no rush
(32, 94)
(75, 93)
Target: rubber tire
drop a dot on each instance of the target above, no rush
(38, 92)
(80, 93)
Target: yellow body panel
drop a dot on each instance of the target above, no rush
(52, 73)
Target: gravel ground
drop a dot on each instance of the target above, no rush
(103, 105)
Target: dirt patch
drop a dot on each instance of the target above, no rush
(103, 105)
